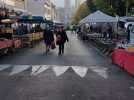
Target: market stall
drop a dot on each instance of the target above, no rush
(98, 22)
(123, 54)
(97, 17)
(8, 42)
(123, 28)
(29, 29)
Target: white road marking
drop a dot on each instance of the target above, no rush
(132, 87)
(59, 70)
(3, 67)
(81, 71)
(40, 69)
(35, 68)
(102, 71)
(19, 68)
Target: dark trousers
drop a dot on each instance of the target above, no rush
(61, 48)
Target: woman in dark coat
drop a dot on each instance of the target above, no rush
(63, 38)
(48, 39)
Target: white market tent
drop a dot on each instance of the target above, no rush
(98, 16)
(127, 19)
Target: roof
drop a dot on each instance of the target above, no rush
(127, 19)
(32, 19)
(98, 16)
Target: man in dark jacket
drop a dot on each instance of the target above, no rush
(63, 39)
(48, 39)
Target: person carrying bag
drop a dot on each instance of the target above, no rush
(48, 40)
(61, 39)
(58, 39)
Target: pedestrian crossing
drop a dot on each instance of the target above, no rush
(18, 69)
(2, 67)
(81, 71)
(60, 70)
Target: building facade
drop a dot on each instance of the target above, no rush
(78, 3)
(35, 7)
(20, 4)
(53, 12)
(50, 10)
(60, 15)
(13, 4)
(45, 8)
(67, 10)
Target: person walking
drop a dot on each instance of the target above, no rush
(62, 38)
(129, 31)
(48, 39)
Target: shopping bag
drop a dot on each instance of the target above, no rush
(53, 45)
(58, 39)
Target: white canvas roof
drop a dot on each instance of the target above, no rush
(127, 19)
(98, 16)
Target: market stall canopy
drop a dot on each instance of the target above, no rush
(32, 19)
(129, 23)
(20, 10)
(49, 22)
(98, 16)
(127, 19)
(25, 14)
(58, 23)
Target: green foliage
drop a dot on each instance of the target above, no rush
(101, 5)
(115, 7)
(128, 5)
(128, 2)
(82, 12)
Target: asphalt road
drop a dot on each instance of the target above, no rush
(81, 74)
